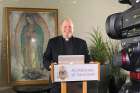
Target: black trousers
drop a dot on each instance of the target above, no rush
(72, 87)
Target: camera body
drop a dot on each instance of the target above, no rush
(125, 26)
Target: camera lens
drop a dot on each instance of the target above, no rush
(114, 25)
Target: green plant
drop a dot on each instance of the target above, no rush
(112, 49)
(98, 50)
(116, 78)
(103, 50)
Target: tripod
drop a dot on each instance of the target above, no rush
(134, 85)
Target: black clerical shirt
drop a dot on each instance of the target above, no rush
(68, 46)
(59, 46)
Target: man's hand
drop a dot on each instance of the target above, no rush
(92, 62)
(54, 63)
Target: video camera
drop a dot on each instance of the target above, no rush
(125, 26)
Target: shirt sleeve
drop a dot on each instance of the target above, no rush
(86, 52)
(47, 57)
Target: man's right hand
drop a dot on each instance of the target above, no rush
(54, 63)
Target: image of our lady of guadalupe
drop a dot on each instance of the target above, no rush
(32, 39)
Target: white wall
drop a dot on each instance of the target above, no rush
(86, 14)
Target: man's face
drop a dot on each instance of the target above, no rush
(67, 29)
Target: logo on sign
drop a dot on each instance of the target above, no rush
(62, 73)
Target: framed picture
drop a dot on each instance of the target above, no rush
(25, 37)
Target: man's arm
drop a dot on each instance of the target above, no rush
(86, 52)
(47, 57)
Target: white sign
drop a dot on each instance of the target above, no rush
(76, 72)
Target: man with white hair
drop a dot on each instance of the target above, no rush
(66, 44)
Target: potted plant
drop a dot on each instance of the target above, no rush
(116, 77)
(102, 51)
(98, 52)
